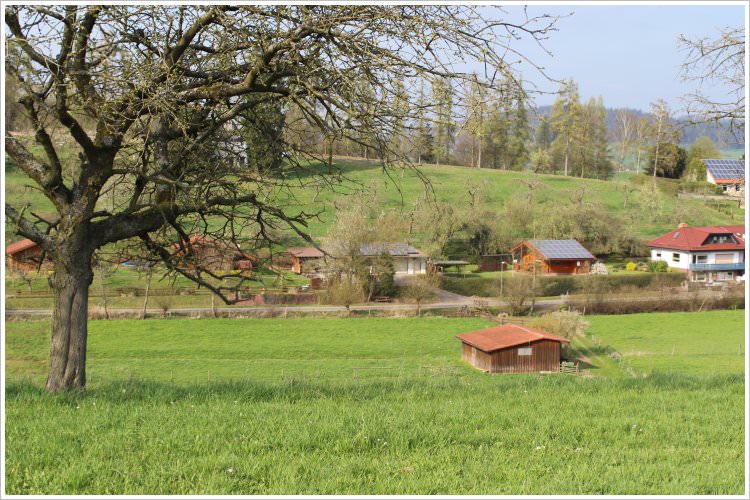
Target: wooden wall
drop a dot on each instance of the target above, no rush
(545, 356)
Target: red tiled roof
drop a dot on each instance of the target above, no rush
(20, 246)
(500, 337)
(305, 252)
(692, 238)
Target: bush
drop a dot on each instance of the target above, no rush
(566, 324)
(631, 266)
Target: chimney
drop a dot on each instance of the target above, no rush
(681, 225)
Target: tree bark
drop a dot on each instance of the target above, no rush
(70, 283)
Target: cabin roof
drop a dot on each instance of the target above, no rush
(20, 246)
(559, 249)
(305, 252)
(725, 171)
(501, 337)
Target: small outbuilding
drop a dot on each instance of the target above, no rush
(25, 255)
(552, 257)
(512, 349)
(305, 259)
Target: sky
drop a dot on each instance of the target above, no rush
(628, 54)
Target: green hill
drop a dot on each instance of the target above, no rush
(398, 189)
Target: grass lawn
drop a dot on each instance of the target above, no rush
(355, 406)
(698, 343)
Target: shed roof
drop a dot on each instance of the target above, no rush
(395, 249)
(560, 249)
(20, 246)
(305, 252)
(501, 337)
(693, 238)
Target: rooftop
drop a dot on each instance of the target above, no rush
(501, 337)
(697, 238)
(19, 246)
(305, 252)
(395, 249)
(561, 249)
(726, 170)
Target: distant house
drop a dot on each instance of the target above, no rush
(512, 349)
(729, 174)
(708, 254)
(24, 255)
(553, 256)
(306, 259)
(406, 259)
(213, 255)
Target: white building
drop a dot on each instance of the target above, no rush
(707, 254)
(406, 258)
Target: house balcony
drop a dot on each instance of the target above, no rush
(733, 266)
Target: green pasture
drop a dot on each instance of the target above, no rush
(704, 343)
(357, 406)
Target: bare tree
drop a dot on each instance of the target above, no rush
(420, 288)
(625, 124)
(717, 62)
(150, 97)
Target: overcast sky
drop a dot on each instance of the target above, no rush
(628, 54)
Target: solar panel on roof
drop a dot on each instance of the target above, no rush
(561, 249)
(726, 169)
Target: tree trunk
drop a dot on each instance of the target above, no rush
(145, 296)
(70, 284)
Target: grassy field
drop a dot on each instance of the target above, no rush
(358, 406)
(703, 344)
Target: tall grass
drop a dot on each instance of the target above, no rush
(334, 421)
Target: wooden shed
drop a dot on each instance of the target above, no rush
(512, 349)
(552, 256)
(25, 255)
(305, 259)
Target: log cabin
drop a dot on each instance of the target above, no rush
(552, 257)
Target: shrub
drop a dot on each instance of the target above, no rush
(566, 324)
(630, 266)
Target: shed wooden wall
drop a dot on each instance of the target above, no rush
(545, 356)
(26, 260)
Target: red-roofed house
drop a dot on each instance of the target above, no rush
(512, 349)
(708, 254)
(24, 255)
(305, 259)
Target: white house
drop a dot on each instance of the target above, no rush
(406, 259)
(707, 254)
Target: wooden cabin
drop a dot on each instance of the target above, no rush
(552, 257)
(25, 255)
(213, 255)
(305, 259)
(512, 349)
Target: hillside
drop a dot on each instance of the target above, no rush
(493, 189)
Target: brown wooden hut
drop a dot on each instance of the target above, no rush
(212, 254)
(24, 255)
(552, 256)
(512, 349)
(305, 259)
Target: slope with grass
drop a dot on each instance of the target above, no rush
(358, 406)
(706, 343)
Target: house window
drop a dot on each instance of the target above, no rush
(658, 255)
(675, 257)
(699, 277)
(524, 351)
(700, 259)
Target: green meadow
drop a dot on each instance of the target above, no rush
(364, 406)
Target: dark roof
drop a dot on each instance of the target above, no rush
(501, 337)
(726, 170)
(395, 249)
(20, 246)
(693, 238)
(305, 252)
(561, 249)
